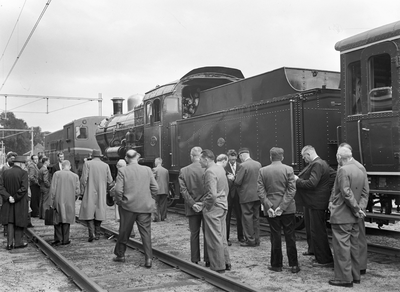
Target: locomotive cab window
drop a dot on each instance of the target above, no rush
(380, 83)
(157, 110)
(355, 88)
(81, 132)
(148, 112)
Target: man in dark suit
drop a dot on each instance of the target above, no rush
(215, 206)
(276, 190)
(135, 188)
(231, 169)
(314, 185)
(246, 181)
(58, 165)
(345, 214)
(192, 190)
(14, 212)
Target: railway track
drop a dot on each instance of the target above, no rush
(376, 248)
(90, 265)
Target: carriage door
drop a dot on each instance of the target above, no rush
(152, 130)
(378, 130)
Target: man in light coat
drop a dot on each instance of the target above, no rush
(96, 176)
(63, 191)
(135, 189)
(345, 214)
(215, 206)
(161, 175)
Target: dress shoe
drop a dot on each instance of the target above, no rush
(97, 237)
(363, 272)
(21, 246)
(275, 269)
(248, 244)
(9, 247)
(306, 253)
(55, 243)
(229, 243)
(90, 239)
(257, 243)
(295, 269)
(207, 264)
(148, 263)
(340, 283)
(30, 225)
(324, 265)
(119, 259)
(66, 243)
(228, 267)
(241, 240)
(220, 271)
(196, 263)
(357, 281)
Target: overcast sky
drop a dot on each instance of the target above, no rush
(119, 48)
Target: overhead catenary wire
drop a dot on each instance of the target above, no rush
(12, 32)
(26, 42)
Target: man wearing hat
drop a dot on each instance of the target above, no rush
(96, 176)
(14, 212)
(246, 180)
(231, 169)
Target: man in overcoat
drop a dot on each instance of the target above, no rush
(135, 189)
(192, 190)
(14, 212)
(246, 181)
(96, 177)
(215, 207)
(9, 163)
(64, 191)
(276, 190)
(161, 175)
(345, 214)
(313, 186)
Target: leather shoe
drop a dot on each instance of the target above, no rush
(220, 271)
(357, 281)
(363, 272)
(340, 283)
(306, 253)
(248, 244)
(65, 243)
(207, 264)
(324, 265)
(257, 243)
(275, 269)
(55, 243)
(196, 263)
(9, 247)
(119, 259)
(228, 267)
(148, 263)
(90, 239)
(241, 240)
(30, 225)
(21, 246)
(295, 269)
(229, 243)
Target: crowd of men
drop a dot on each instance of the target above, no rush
(213, 189)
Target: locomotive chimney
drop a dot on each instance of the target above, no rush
(117, 105)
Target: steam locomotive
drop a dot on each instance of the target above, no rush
(217, 108)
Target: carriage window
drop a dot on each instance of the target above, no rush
(157, 110)
(148, 112)
(380, 94)
(355, 88)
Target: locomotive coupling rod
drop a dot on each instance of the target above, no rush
(212, 277)
(79, 278)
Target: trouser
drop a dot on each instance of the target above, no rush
(362, 245)
(14, 234)
(251, 221)
(94, 228)
(161, 207)
(61, 232)
(194, 227)
(35, 200)
(217, 245)
(286, 222)
(345, 250)
(319, 237)
(143, 221)
(234, 206)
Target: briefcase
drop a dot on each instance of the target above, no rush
(49, 216)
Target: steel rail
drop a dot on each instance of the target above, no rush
(68, 268)
(212, 277)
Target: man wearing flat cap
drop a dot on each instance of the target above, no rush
(96, 176)
(246, 181)
(14, 212)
